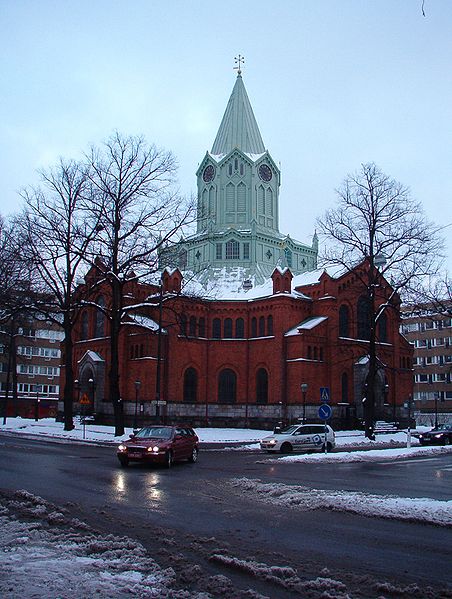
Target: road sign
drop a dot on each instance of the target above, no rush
(325, 394)
(325, 412)
(84, 400)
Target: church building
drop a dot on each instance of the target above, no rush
(241, 330)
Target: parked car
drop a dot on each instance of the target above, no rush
(437, 436)
(300, 437)
(160, 445)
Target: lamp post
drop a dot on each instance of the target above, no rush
(304, 390)
(37, 404)
(436, 408)
(137, 390)
(159, 357)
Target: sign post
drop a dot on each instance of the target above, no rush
(325, 412)
(84, 401)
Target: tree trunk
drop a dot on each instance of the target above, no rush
(115, 395)
(68, 396)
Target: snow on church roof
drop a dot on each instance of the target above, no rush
(306, 325)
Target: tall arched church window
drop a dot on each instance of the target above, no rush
(230, 198)
(212, 207)
(239, 328)
(262, 386)
(183, 325)
(216, 328)
(254, 327)
(269, 202)
(270, 325)
(262, 326)
(241, 198)
(192, 326)
(261, 199)
(344, 321)
(363, 318)
(241, 168)
(227, 386)
(99, 328)
(383, 328)
(230, 169)
(232, 250)
(202, 327)
(190, 385)
(288, 255)
(84, 326)
(228, 328)
(183, 258)
(344, 386)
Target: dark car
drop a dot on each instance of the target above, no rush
(437, 436)
(160, 445)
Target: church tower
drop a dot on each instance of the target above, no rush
(238, 205)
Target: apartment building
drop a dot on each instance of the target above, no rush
(430, 333)
(30, 358)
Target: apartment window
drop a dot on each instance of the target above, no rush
(219, 251)
(246, 251)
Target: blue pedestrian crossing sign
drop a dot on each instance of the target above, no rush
(325, 412)
(325, 394)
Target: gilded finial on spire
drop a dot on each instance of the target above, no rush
(239, 60)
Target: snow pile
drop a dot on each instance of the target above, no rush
(370, 455)
(430, 511)
(55, 556)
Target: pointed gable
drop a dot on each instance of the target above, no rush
(238, 128)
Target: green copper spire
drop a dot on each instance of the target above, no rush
(238, 128)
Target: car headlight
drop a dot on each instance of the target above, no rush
(272, 442)
(122, 448)
(438, 436)
(154, 449)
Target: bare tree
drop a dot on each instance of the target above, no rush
(59, 228)
(377, 223)
(138, 211)
(16, 299)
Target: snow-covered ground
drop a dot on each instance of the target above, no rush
(47, 554)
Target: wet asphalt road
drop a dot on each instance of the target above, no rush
(196, 501)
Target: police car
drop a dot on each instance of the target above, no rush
(300, 437)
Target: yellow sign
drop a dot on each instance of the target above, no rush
(84, 400)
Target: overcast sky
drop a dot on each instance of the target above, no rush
(332, 84)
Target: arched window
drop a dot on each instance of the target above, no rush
(321, 354)
(309, 352)
(227, 328)
(262, 386)
(183, 325)
(254, 327)
(232, 250)
(99, 327)
(216, 328)
(270, 325)
(239, 328)
(262, 326)
(190, 385)
(383, 328)
(288, 255)
(227, 386)
(84, 327)
(202, 327)
(192, 326)
(315, 353)
(344, 321)
(344, 386)
(363, 313)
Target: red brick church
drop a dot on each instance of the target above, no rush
(243, 330)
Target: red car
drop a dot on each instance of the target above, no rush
(160, 445)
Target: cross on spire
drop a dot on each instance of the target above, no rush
(239, 60)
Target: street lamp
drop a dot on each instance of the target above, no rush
(436, 394)
(304, 390)
(137, 390)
